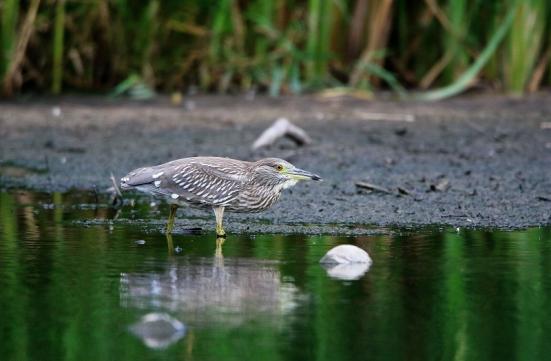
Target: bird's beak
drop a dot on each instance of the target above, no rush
(300, 174)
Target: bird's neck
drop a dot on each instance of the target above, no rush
(287, 184)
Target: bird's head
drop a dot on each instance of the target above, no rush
(275, 171)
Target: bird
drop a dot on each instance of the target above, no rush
(217, 183)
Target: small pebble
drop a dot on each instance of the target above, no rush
(189, 105)
(56, 112)
(140, 241)
(178, 249)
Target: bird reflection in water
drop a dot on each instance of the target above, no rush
(212, 290)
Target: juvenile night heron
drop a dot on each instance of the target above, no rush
(217, 183)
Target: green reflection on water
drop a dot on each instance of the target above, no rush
(69, 291)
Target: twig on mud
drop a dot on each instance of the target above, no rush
(544, 198)
(282, 128)
(400, 191)
(404, 191)
(385, 116)
(475, 126)
(373, 187)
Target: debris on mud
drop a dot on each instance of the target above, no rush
(385, 116)
(373, 187)
(282, 128)
(441, 186)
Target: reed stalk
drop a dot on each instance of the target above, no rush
(318, 42)
(59, 31)
(275, 47)
(8, 32)
(379, 21)
(524, 43)
(18, 54)
(464, 81)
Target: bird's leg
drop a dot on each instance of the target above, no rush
(171, 217)
(219, 213)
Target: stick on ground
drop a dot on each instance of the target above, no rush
(282, 128)
(373, 187)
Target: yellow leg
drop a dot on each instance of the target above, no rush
(170, 244)
(171, 217)
(219, 213)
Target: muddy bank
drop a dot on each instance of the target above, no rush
(481, 161)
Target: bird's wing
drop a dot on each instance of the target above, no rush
(198, 182)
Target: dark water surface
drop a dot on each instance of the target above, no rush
(71, 290)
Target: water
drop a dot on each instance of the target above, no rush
(76, 290)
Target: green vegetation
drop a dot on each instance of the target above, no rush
(275, 47)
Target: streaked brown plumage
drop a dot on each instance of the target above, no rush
(218, 183)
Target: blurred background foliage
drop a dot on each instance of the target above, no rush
(275, 47)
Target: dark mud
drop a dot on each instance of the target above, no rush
(481, 161)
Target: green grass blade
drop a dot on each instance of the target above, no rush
(388, 77)
(467, 77)
(525, 42)
(456, 12)
(318, 41)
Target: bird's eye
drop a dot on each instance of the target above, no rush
(279, 167)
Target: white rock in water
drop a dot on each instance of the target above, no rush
(346, 253)
(346, 272)
(346, 262)
(158, 330)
